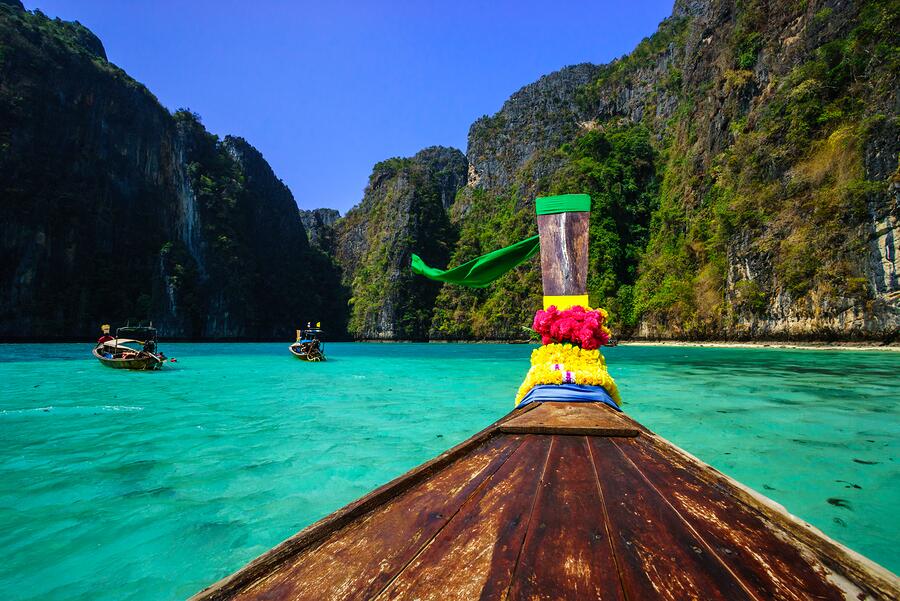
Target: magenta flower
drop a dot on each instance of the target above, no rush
(577, 325)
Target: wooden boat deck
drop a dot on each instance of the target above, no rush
(560, 501)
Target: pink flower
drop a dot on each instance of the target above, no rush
(576, 325)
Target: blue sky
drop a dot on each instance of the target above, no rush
(325, 90)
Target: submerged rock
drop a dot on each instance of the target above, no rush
(842, 503)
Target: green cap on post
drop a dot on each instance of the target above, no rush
(564, 203)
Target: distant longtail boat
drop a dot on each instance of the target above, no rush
(133, 347)
(308, 344)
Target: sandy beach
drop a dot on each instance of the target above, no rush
(812, 346)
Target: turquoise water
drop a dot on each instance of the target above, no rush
(119, 485)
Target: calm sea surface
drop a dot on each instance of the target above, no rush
(118, 485)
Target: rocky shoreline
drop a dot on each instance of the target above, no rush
(812, 345)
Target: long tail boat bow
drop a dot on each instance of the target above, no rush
(562, 498)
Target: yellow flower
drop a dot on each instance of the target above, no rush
(587, 367)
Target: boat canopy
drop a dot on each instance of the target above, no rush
(121, 342)
(309, 333)
(136, 333)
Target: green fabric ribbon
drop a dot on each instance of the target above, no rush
(480, 272)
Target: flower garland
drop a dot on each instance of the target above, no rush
(570, 354)
(577, 325)
(567, 364)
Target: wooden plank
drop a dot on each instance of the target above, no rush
(567, 553)
(564, 252)
(474, 556)
(772, 565)
(659, 556)
(315, 533)
(359, 560)
(575, 419)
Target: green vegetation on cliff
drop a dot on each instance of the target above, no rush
(403, 210)
(501, 310)
(790, 184)
(615, 164)
(739, 160)
(742, 163)
(251, 237)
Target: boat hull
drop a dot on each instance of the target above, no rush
(304, 357)
(560, 500)
(135, 364)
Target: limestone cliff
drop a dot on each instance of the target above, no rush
(538, 118)
(319, 225)
(744, 160)
(114, 209)
(404, 209)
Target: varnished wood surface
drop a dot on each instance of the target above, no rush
(769, 564)
(476, 554)
(566, 556)
(559, 516)
(659, 557)
(586, 419)
(564, 252)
